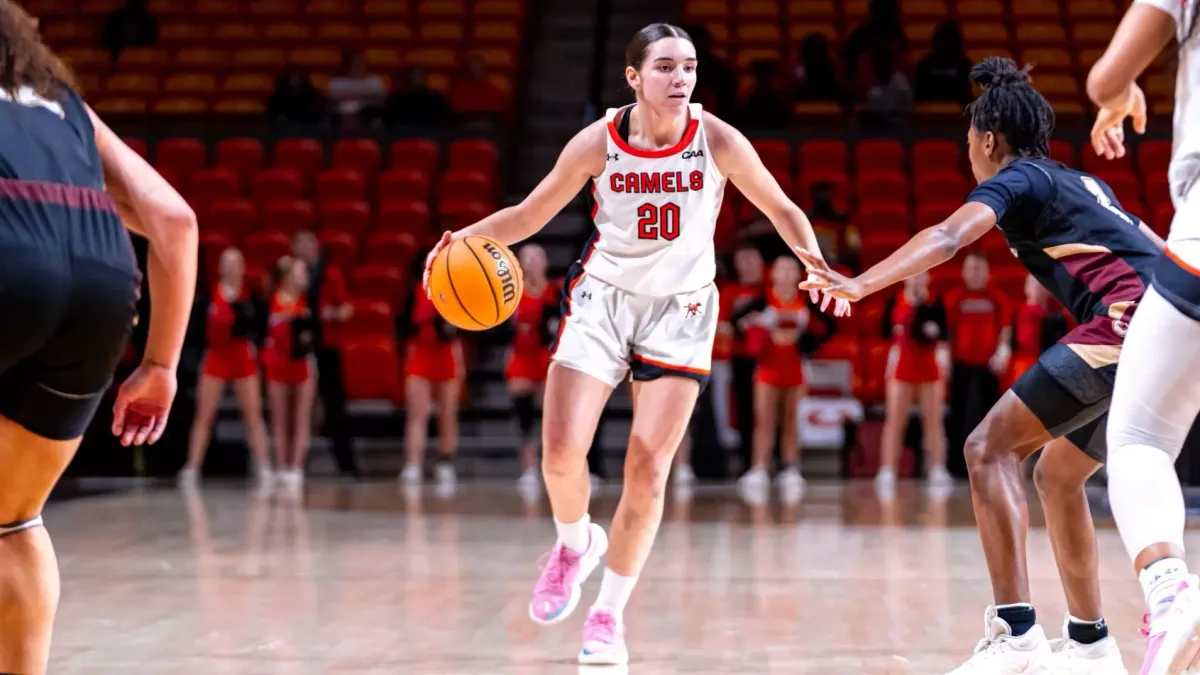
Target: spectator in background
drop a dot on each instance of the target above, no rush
(326, 293)
(814, 76)
(357, 95)
(291, 373)
(979, 319)
(1037, 324)
(132, 25)
(765, 107)
(413, 104)
(890, 98)
(295, 100)
(881, 31)
(749, 288)
(917, 366)
(717, 89)
(475, 98)
(942, 74)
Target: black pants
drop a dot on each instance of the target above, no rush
(973, 392)
(333, 397)
(743, 400)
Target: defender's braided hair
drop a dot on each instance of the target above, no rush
(1009, 105)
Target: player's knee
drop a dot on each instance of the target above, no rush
(563, 453)
(646, 471)
(1052, 480)
(1131, 438)
(977, 450)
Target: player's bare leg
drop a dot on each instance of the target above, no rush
(661, 411)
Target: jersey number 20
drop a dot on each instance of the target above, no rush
(658, 222)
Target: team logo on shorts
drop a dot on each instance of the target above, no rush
(693, 309)
(1120, 327)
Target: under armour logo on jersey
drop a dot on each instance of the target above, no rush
(585, 295)
(693, 309)
(613, 158)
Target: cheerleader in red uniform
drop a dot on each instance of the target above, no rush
(230, 359)
(290, 368)
(1037, 325)
(535, 323)
(918, 365)
(433, 371)
(780, 336)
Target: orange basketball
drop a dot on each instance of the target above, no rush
(476, 283)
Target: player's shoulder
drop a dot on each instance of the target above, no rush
(719, 133)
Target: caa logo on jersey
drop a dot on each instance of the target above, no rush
(691, 154)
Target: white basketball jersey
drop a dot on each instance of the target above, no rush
(1185, 155)
(655, 214)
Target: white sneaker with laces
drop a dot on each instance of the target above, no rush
(1074, 658)
(1000, 653)
(1173, 637)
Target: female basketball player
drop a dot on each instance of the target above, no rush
(918, 364)
(290, 369)
(780, 336)
(1070, 232)
(433, 371)
(68, 287)
(639, 302)
(1155, 404)
(535, 322)
(230, 358)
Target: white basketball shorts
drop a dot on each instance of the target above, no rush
(612, 334)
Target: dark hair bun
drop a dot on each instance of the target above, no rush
(998, 71)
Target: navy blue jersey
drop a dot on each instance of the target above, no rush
(52, 180)
(1068, 229)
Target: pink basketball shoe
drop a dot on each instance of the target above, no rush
(557, 591)
(603, 640)
(1173, 638)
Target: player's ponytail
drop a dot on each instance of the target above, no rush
(1011, 107)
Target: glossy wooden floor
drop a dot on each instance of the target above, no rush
(367, 579)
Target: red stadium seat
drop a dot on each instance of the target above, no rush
(461, 183)
(414, 153)
(1063, 151)
(873, 216)
(880, 245)
(391, 248)
(206, 185)
(181, 155)
(1158, 188)
(372, 317)
(235, 216)
(378, 282)
(823, 155)
(342, 247)
(1163, 215)
(775, 154)
(362, 155)
(266, 248)
(931, 154)
(353, 216)
(286, 216)
(934, 212)
(1154, 157)
(878, 155)
(881, 185)
(243, 156)
(994, 246)
(271, 184)
(403, 184)
(303, 155)
(455, 214)
(410, 216)
(474, 155)
(211, 244)
(136, 144)
(343, 184)
(1010, 279)
(1124, 185)
(935, 185)
(1093, 163)
(371, 367)
(836, 179)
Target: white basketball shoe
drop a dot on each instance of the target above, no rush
(1000, 653)
(1074, 658)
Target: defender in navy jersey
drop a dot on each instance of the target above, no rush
(1068, 229)
(68, 287)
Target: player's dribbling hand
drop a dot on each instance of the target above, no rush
(143, 404)
(442, 243)
(1108, 132)
(822, 279)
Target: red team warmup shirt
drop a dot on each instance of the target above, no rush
(227, 357)
(530, 357)
(975, 319)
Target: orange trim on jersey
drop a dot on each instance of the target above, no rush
(668, 366)
(595, 204)
(688, 135)
(1178, 261)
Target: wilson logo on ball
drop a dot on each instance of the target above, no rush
(509, 287)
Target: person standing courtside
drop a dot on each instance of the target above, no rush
(327, 293)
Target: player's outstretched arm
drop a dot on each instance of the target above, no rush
(1111, 84)
(928, 248)
(581, 160)
(739, 161)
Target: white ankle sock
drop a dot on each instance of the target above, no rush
(1159, 581)
(1144, 493)
(614, 593)
(574, 535)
